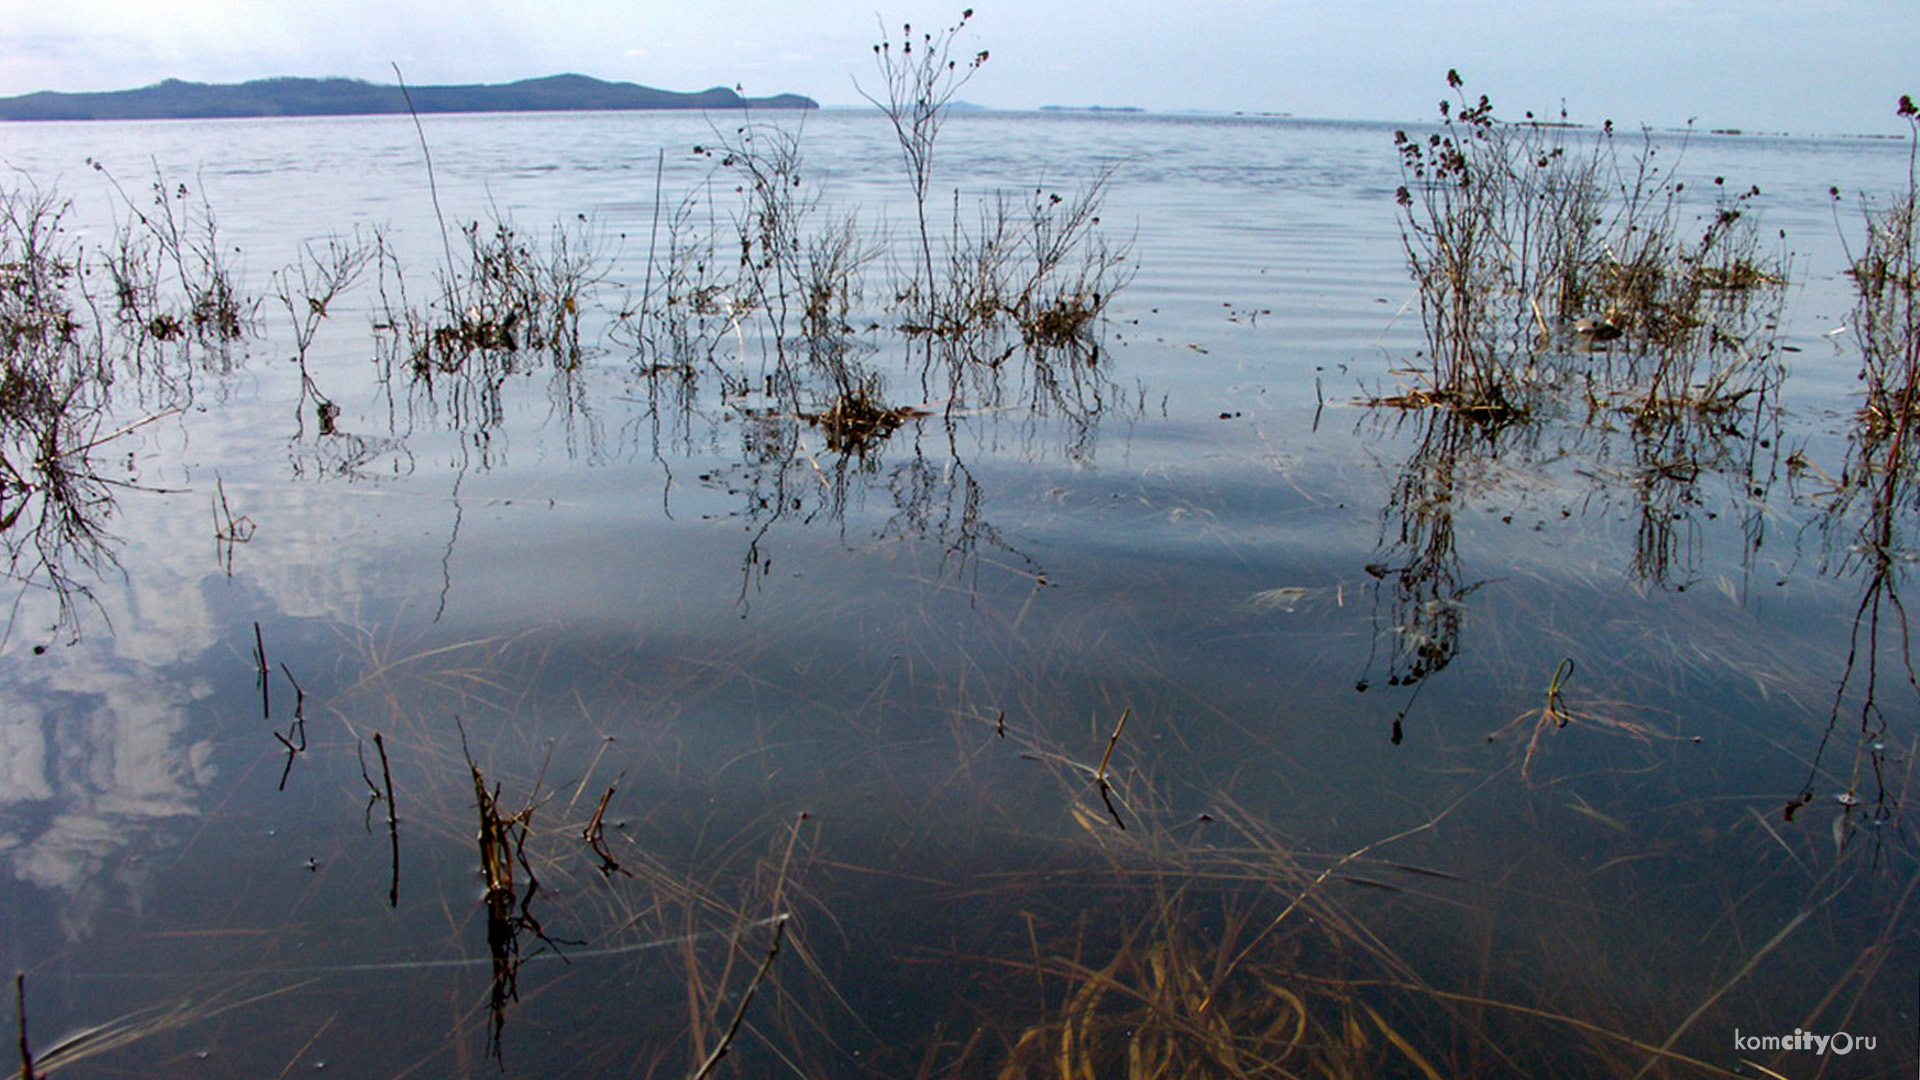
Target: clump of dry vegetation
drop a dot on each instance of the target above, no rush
(169, 272)
(84, 329)
(776, 297)
(1533, 240)
(1868, 509)
(1886, 276)
(507, 294)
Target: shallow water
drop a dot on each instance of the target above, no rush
(876, 694)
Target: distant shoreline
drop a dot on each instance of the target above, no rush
(295, 98)
(286, 97)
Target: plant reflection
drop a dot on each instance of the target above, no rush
(745, 329)
(1419, 561)
(511, 886)
(1679, 478)
(1510, 230)
(152, 304)
(1869, 511)
(811, 467)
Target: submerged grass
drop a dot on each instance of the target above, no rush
(1180, 997)
(954, 909)
(1244, 956)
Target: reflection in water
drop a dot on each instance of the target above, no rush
(1880, 632)
(1459, 464)
(917, 455)
(1692, 393)
(1869, 510)
(1016, 331)
(97, 343)
(1453, 461)
(893, 789)
(110, 757)
(97, 767)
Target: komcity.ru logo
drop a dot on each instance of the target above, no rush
(1839, 1042)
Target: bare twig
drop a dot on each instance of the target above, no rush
(1100, 774)
(295, 740)
(27, 1071)
(740, 1014)
(393, 821)
(595, 836)
(263, 672)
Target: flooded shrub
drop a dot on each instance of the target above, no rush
(1043, 266)
(1528, 238)
(1867, 512)
(919, 80)
(756, 286)
(170, 272)
(1886, 277)
(507, 306)
(307, 289)
(39, 283)
(514, 294)
(56, 372)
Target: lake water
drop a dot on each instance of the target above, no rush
(1146, 707)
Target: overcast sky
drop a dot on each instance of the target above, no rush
(1804, 66)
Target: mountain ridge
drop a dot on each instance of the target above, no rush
(176, 99)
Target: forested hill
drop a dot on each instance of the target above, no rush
(174, 99)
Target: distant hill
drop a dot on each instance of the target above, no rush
(174, 99)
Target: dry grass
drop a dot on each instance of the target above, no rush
(1524, 236)
(1560, 713)
(1181, 996)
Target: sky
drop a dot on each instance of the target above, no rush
(1798, 66)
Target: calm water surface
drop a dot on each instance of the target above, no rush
(867, 705)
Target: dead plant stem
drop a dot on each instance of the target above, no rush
(746, 999)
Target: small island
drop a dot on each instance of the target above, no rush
(178, 100)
